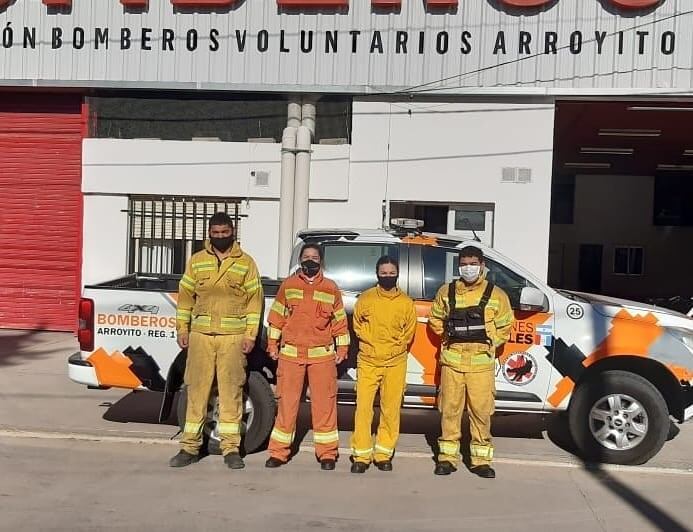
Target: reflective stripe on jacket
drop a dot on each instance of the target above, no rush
(498, 316)
(220, 297)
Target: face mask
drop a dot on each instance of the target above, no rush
(221, 243)
(388, 283)
(310, 268)
(470, 273)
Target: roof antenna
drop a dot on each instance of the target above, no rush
(471, 228)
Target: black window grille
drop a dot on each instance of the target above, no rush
(166, 230)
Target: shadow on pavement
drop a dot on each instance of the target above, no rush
(427, 424)
(138, 407)
(656, 516)
(16, 346)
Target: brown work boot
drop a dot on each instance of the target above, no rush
(444, 468)
(327, 464)
(183, 459)
(484, 471)
(234, 461)
(274, 463)
(385, 465)
(359, 467)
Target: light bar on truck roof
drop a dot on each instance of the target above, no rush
(406, 223)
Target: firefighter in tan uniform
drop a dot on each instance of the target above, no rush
(385, 323)
(474, 319)
(219, 304)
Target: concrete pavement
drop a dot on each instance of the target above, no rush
(49, 485)
(62, 470)
(36, 395)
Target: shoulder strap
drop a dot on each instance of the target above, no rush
(452, 303)
(487, 295)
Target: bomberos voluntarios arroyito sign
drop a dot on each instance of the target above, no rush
(357, 46)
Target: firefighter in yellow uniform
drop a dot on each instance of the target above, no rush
(385, 323)
(219, 305)
(474, 318)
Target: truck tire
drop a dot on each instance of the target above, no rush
(618, 417)
(258, 420)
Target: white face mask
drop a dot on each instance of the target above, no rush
(470, 273)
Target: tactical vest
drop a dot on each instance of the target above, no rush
(468, 324)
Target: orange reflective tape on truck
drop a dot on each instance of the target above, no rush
(113, 370)
(563, 389)
(630, 335)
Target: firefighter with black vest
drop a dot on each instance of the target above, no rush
(474, 319)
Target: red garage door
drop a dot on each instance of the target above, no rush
(40, 210)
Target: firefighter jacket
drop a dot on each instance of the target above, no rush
(220, 297)
(385, 323)
(307, 319)
(498, 315)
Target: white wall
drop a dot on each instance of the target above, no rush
(105, 238)
(455, 153)
(449, 153)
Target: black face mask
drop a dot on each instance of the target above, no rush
(388, 283)
(310, 268)
(221, 243)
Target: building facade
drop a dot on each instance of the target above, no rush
(125, 123)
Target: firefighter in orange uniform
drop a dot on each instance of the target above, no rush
(306, 320)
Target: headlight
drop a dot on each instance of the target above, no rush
(682, 335)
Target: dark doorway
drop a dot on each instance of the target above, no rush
(435, 217)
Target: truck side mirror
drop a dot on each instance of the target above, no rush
(533, 300)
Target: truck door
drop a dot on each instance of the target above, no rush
(352, 266)
(523, 368)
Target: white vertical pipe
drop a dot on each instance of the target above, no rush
(294, 114)
(286, 200)
(308, 113)
(302, 183)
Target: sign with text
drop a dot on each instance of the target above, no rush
(350, 46)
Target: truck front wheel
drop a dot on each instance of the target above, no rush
(618, 417)
(258, 418)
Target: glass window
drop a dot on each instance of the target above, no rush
(352, 266)
(166, 230)
(672, 205)
(228, 118)
(470, 220)
(440, 267)
(629, 260)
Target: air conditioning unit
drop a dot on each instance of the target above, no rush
(260, 178)
(514, 174)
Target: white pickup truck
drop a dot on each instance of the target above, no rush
(621, 369)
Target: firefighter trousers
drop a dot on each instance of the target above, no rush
(476, 391)
(390, 382)
(322, 383)
(209, 356)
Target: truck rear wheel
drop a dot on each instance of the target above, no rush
(618, 417)
(258, 418)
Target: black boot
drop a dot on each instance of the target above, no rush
(234, 461)
(484, 471)
(444, 468)
(385, 465)
(183, 459)
(327, 464)
(274, 463)
(359, 467)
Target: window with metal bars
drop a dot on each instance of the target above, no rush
(166, 230)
